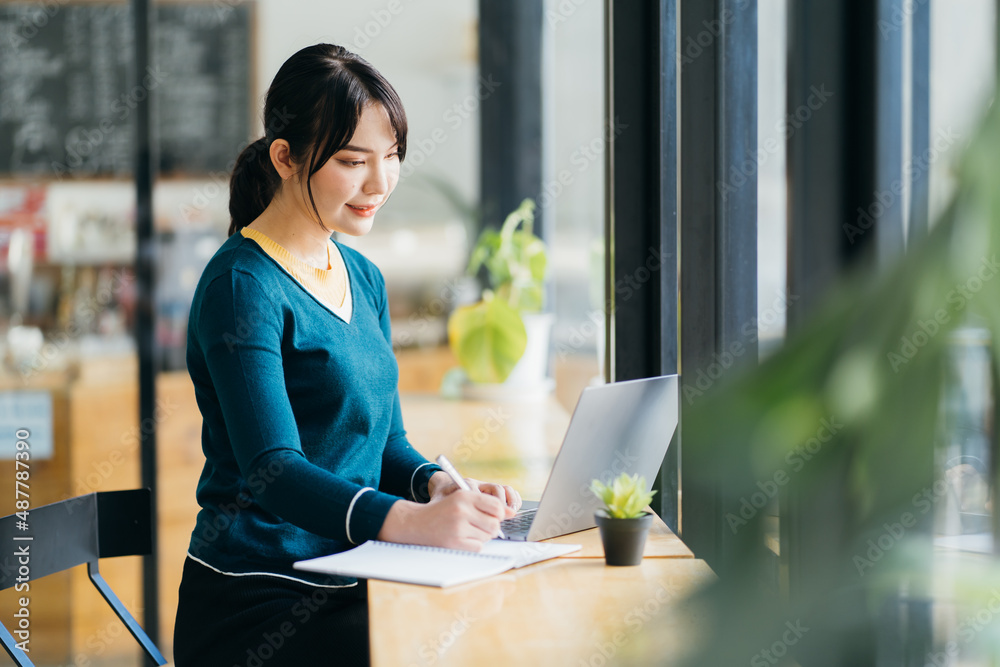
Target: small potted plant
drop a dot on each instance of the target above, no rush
(623, 521)
(503, 339)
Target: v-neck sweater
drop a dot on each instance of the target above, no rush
(305, 451)
(329, 285)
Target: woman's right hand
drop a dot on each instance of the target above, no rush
(461, 520)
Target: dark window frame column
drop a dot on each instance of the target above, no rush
(511, 110)
(718, 237)
(143, 16)
(641, 205)
(667, 98)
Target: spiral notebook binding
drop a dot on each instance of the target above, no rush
(422, 547)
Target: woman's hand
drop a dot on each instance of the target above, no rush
(455, 520)
(441, 484)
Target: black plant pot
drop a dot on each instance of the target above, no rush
(624, 539)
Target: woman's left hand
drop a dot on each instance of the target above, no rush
(440, 485)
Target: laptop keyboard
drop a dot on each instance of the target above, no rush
(520, 522)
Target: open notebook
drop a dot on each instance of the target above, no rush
(433, 566)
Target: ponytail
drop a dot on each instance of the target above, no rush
(252, 185)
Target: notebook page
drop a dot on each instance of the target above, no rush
(410, 564)
(526, 553)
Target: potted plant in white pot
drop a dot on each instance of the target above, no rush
(502, 341)
(624, 521)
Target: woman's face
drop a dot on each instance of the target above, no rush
(353, 184)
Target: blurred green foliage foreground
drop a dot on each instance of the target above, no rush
(867, 586)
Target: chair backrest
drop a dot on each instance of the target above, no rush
(62, 535)
(76, 531)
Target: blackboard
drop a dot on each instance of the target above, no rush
(68, 89)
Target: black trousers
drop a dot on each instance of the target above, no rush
(258, 621)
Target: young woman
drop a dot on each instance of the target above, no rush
(292, 363)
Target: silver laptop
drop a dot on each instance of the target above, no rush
(616, 428)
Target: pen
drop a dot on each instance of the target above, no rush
(446, 465)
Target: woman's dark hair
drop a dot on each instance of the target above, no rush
(314, 103)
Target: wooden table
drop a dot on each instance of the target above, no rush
(573, 610)
(558, 613)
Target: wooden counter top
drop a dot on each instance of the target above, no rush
(661, 542)
(557, 612)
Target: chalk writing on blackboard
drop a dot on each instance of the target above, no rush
(68, 90)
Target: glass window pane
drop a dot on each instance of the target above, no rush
(772, 127)
(574, 194)
(963, 86)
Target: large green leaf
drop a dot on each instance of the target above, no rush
(488, 338)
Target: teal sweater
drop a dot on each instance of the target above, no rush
(300, 414)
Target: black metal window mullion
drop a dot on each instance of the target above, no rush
(641, 232)
(668, 483)
(143, 16)
(511, 115)
(718, 233)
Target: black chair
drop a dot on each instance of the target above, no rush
(72, 532)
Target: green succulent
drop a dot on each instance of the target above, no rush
(625, 498)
